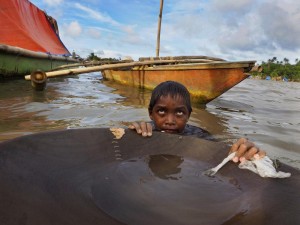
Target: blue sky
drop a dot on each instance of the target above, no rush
(228, 29)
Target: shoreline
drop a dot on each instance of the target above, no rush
(271, 78)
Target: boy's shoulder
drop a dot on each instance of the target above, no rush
(191, 130)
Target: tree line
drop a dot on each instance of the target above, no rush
(277, 69)
(93, 57)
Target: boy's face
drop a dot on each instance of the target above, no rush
(170, 114)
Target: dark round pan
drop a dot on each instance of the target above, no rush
(86, 176)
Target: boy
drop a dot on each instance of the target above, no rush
(170, 109)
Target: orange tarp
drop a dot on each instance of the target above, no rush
(24, 25)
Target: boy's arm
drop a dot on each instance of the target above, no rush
(143, 128)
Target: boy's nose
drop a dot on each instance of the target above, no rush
(170, 119)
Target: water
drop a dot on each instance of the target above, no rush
(266, 112)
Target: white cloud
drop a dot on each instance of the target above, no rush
(53, 2)
(280, 23)
(128, 29)
(232, 5)
(96, 15)
(73, 29)
(111, 54)
(94, 33)
(229, 29)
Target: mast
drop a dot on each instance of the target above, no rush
(159, 27)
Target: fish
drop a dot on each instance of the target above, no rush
(82, 176)
(264, 167)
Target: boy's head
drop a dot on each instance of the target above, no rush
(170, 106)
(172, 88)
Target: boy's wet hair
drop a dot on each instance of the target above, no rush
(172, 88)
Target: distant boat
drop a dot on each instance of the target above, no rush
(29, 40)
(205, 77)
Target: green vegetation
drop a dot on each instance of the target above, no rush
(93, 57)
(278, 70)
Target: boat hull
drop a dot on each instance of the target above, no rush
(17, 62)
(204, 83)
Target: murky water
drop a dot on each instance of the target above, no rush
(266, 112)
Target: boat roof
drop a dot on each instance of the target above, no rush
(26, 26)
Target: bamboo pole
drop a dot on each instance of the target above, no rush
(38, 80)
(91, 63)
(159, 28)
(109, 66)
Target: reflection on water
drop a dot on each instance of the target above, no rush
(134, 96)
(165, 166)
(266, 112)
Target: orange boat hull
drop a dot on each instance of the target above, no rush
(204, 84)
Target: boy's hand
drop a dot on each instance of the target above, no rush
(143, 128)
(245, 150)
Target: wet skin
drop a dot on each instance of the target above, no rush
(170, 114)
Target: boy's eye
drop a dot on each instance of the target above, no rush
(179, 113)
(161, 111)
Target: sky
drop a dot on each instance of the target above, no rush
(235, 30)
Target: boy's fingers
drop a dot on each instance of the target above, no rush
(250, 153)
(237, 144)
(241, 147)
(149, 129)
(144, 128)
(135, 126)
(260, 155)
(245, 150)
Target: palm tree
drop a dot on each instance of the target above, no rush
(274, 59)
(286, 60)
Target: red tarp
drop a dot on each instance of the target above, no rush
(24, 25)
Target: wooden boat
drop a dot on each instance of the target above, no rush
(205, 80)
(29, 40)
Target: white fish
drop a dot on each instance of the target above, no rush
(262, 166)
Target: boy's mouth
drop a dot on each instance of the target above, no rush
(170, 131)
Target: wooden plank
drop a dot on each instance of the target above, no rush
(181, 57)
